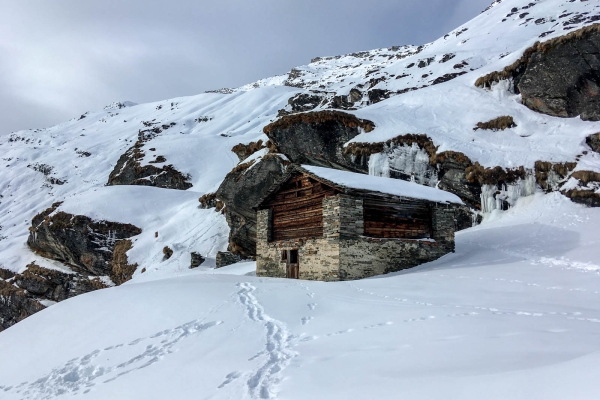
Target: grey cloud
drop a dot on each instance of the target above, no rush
(61, 58)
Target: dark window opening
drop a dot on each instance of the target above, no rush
(284, 256)
(293, 256)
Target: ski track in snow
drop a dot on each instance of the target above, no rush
(262, 383)
(83, 373)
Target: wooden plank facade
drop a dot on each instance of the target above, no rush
(408, 219)
(298, 208)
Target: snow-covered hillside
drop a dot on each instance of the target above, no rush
(512, 314)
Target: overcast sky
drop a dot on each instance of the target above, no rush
(60, 58)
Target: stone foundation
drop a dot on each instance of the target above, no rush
(343, 253)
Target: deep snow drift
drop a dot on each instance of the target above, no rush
(513, 314)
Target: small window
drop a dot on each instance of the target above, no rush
(284, 256)
(293, 256)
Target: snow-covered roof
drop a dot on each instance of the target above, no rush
(391, 186)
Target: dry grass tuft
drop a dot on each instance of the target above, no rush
(497, 124)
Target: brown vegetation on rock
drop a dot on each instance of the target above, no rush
(121, 270)
(244, 151)
(497, 124)
(586, 176)
(168, 252)
(455, 156)
(543, 169)
(360, 149)
(493, 176)
(239, 169)
(319, 117)
(210, 200)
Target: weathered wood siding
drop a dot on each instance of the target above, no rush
(407, 219)
(298, 208)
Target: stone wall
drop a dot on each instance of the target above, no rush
(319, 257)
(365, 257)
(343, 253)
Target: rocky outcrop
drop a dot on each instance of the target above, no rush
(594, 142)
(54, 285)
(244, 151)
(15, 305)
(77, 240)
(452, 167)
(583, 187)
(317, 138)
(129, 171)
(241, 190)
(559, 77)
(21, 294)
(301, 102)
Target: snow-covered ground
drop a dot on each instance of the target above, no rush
(513, 314)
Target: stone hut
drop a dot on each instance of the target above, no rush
(330, 225)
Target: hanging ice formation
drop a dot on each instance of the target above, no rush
(410, 163)
(495, 198)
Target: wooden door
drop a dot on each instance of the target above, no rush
(293, 264)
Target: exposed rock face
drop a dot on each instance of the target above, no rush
(54, 285)
(453, 178)
(594, 142)
(20, 295)
(15, 305)
(559, 77)
(564, 80)
(317, 137)
(77, 240)
(225, 258)
(241, 190)
(302, 102)
(129, 171)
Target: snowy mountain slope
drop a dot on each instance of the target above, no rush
(488, 42)
(512, 314)
(75, 158)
